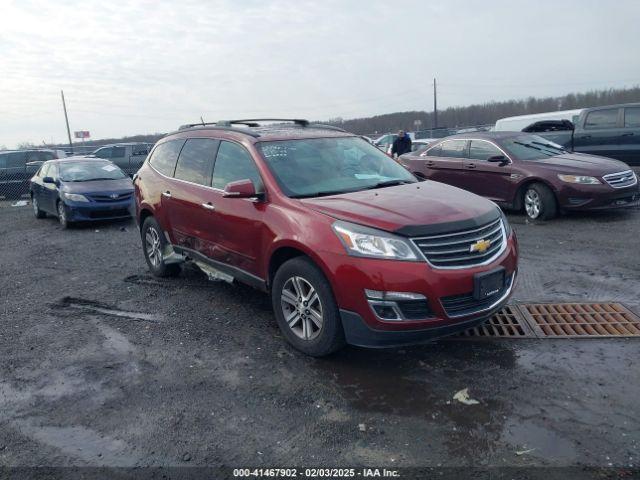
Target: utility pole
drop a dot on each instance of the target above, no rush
(435, 105)
(66, 119)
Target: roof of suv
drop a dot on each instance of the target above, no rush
(299, 129)
(484, 135)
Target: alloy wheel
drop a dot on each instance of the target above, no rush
(302, 308)
(532, 203)
(153, 247)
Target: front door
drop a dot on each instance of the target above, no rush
(488, 179)
(237, 223)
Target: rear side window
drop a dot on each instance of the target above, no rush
(195, 161)
(454, 148)
(479, 150)
(602, 119)
(632, 117)
(435, 151)
(118, 152)
(234, 163)
(165, 155)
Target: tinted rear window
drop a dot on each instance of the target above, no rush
(195, 161)
(165, 155)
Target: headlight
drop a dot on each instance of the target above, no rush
(75, 197)
(579, 179)
(362, 241)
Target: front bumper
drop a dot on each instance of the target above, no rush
(604, 198)
(449, 294)
(96, 211)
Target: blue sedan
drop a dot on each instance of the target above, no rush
(81, 190)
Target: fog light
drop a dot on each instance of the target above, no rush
(392, 296)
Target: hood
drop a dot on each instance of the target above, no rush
(405, 208)
(582, 163)
(120, 185)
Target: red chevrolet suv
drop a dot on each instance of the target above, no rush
(350, 246)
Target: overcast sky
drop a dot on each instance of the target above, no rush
(143, 67)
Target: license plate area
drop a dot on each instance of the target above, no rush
(489, 283)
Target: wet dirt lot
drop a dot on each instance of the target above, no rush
(102, 364)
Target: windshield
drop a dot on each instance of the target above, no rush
(330, 166)
(532, 147)
(88, 171)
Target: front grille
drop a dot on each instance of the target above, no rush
(456, 250)
(118, 197)
(464, 304)
(414, 309)
(621, 179)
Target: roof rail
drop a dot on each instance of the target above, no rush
(214, 126)
(253, 122)
(327, 127)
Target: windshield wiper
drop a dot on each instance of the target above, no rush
(324, 193)
(548, 145)
(388, 183)
(528, 146)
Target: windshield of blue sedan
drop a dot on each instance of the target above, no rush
(330, 166)
(89, 171)
(531, 147)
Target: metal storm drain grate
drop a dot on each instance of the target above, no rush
(561, 320)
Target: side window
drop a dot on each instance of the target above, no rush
(602, 119)
(104, 152)
(454, 149)
(234, 163)
(141, 149)
(118, 152)
(3, 160)
(165, 155)
(480, 150)
(195, 161)
(16, 160)
(632, 117)
(435, 151)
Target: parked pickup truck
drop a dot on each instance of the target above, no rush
(128, 156)
(611, 131)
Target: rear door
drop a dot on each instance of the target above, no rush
(601, 133)
(630, 149)
(489, 179)
(237, 226)
(190, 209)
(444, 162)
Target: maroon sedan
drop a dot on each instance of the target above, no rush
(518, 170)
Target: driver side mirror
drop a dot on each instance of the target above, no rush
(48, 180)
(240, 189)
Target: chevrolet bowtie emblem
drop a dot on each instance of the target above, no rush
(480, 246)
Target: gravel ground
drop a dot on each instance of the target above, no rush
(102, 364)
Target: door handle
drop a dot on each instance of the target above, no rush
(208, 206)
(166, 194)
(430, 163)
(586, 137)
(470, 165)
(627, 134)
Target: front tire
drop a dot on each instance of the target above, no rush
(62, 215)
(36, 208)
(305, 308)
(153, 245)
(540, 202)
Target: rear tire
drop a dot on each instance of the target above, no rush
(539, 202)
(153, 245)
(305, 308)
(36, 208)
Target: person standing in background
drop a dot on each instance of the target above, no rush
(401, 145)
